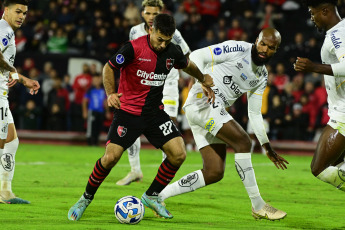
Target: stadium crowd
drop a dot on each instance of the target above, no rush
(294, 104)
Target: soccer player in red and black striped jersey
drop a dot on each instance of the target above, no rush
(144, 64)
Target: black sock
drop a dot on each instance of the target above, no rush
(166, 173)
(96, 178)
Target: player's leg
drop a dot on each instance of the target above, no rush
(233, 134)
(163, 133)
(176, 154)
(329, 152)
(100, 171)
(213, 157)
(9, 153)
(124, 129)
(134, 160)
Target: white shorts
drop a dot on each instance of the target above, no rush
(171, 98)
(206, 123)
(5, 118)
(251, 131)
(184, 122)
(340, 126)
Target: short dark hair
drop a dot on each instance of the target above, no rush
(165, 24)
(316, 3)
(13, 2)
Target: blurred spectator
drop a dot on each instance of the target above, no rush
(209, 39)
(193, 30)
(56, 119)
(132, 14)
(101, 47)
(29, 116)
(180, 16)
(65, 17)
(57, 43)
(94, 104)
(235, 32)
(192, 6)
(275, 117)
(210, 10)
(295, 124)
(82, 83)
(78, 44)
(268, 17)
(249, 23)
(280, 78)
(20, 40)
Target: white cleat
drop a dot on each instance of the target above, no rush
(131, 176)
(268, 213)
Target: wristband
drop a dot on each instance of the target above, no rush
(15, 76)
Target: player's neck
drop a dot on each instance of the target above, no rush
(333, 21)
(146, 27)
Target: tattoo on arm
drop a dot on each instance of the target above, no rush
(4, 64)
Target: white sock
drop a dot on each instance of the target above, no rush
(133, 156)
(187, 183)
(163, 156)
(7, 156)
(252, 147)
(334, 175)
(245, 170)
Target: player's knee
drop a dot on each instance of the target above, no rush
(244, 145)
(178, 158)
(213, 176)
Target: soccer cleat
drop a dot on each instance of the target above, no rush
(157, 207)
(269, 213)
(131, 176)
(77, 210)
(7, 197)
(15, 200)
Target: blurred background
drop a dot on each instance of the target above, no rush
(65, 43)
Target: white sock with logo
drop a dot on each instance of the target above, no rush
(245, 170)
(187, 183)
(7, 156)
(134, 157)
(334, 175)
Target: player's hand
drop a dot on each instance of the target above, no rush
(208, 81)
(11, 82)
(303, 65)
(114, 100)
(277, 160)
(209, 94)
(33, 85)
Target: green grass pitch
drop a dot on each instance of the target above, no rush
(54, 177)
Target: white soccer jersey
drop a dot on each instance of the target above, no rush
(234, 73)
(333, 52)
(8, 50)
(139, 30)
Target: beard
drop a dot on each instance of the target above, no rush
(256, 59)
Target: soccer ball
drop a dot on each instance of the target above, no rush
(129, 210)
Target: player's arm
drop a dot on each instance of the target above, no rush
(205, 79)
(33, 85)
(337, 69)
(123, 56)
(255, 116)
(305, 65)
(4, 65)
(109, 87)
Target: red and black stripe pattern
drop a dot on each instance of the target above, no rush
(96, 178)
(166, 173)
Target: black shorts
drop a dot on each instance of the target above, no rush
(158, 128)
